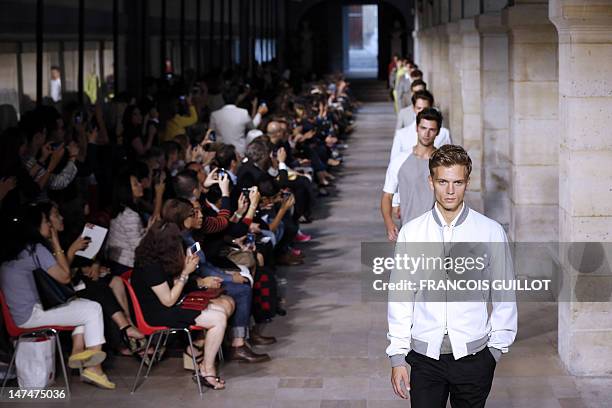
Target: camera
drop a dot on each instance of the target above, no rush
(212, 136)
(221, 173)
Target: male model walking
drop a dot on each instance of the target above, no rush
(440, 348)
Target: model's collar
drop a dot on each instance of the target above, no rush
(437, 215)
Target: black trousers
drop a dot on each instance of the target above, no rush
(467, 380)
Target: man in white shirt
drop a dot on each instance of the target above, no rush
(452, 347)
(408, 174)
(55, 84)
(232, 123)
(406, 137)
(407, 115)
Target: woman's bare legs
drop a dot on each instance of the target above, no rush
(214, 319)
(118, 288)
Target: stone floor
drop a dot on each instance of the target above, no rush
(331, 349)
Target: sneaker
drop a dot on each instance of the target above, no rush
(297, 252)
(301, 237)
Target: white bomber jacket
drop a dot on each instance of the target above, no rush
(420, 325)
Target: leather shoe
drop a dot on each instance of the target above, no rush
(246, 355)
(257, 339)
(288, 260)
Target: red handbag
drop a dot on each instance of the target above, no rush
(199, 299)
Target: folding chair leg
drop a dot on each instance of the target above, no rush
(161, 335)
(58, 344)
(10, 366)
(220, 354)
(195, 364)
(144, 356)
(165, 342)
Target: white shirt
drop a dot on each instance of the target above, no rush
(55, 89)
(406, 138)
(420, 325)
(231, 124)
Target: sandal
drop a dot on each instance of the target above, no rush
(206, 383)
(188, 359)
(133, 344)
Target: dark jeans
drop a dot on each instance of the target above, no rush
(467, 380)
(242, 295)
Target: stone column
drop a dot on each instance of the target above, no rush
(533, 106)
(426, 62)
(585, 178)
(442, 84)
(455, 52)
(472, 112)
(434, 72)
(495, 120)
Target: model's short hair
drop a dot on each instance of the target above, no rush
(426, 95)
(418, 82)
(450, 155)
(55, 68)
(417, 73)
(430, 114)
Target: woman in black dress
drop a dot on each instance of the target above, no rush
(160, 274)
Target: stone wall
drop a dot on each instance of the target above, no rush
(527, 89)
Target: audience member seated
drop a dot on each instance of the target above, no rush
(99, 286)
(127, 226)
(31, 242)
(161, 271)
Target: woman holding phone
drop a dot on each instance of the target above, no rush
(161, 271)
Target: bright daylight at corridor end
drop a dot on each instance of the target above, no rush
(306, 203)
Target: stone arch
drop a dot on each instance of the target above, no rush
(322, 18)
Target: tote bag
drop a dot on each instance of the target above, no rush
(51, 292)
(35, 362)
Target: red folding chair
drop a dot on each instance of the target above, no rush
(17, 333)
(161, 331)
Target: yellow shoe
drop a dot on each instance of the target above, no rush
(86, 358)
(101, 380)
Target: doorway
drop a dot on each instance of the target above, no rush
(360, 40)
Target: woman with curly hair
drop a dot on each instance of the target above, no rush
(161, 271)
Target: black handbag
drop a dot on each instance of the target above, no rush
(50, 292)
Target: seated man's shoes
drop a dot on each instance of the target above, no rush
(246, 355)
